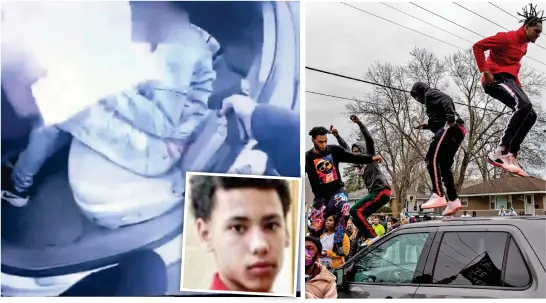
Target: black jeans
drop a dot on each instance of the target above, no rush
(139, 274)
(440, 158)
(523, 116)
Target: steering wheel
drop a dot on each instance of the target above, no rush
(397, 276)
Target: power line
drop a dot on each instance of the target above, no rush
(531, 58)
(509, 14)
(435, 14)
(386, 86)
(421, 33)
(426, 22)
(471, 11)
(411, 29)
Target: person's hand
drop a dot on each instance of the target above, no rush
(354, 118)
(334, 131)
(323, 253)
(378, 159)
(489, 79)
(243, 107)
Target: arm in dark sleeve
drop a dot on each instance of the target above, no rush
(370, 144)
(480, 47)
(449, 107)
(346, 156)
(277, 130)
(342, 142)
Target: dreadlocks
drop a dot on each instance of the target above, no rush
(531, 16)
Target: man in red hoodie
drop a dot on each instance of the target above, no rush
(500, 80)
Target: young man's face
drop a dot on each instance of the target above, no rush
(533, 32)
(247, 233)
(356, 150)
(319, 142)
(375, 221)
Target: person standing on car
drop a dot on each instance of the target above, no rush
(282, 146)
(320, 283)
(449, 132)
(376, 183)
(501, 81)
(331, 198)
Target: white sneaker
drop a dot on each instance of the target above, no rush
(435, 201)
(452, 207)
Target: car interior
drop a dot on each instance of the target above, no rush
(51, 236)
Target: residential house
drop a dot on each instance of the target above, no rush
(527, 194)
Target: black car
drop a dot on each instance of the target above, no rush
(499, 257)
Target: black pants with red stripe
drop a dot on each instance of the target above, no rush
(365, 207)
(440, 158)
(523, 116)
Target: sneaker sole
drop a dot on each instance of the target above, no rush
(453, 211)
(14, 203)
(495, 163)
(429, 207)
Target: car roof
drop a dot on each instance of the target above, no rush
(533, 227)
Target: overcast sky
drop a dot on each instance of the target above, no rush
(343, 40)
(346, 41)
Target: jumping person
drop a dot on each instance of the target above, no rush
(331, 198)
(500, 80)
(449, 133)
(379, 191)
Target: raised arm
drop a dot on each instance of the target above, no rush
(339, 139)
(346, 156)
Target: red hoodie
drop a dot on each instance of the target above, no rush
(505, 53)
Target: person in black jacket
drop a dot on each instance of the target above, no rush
(331, 198)
(379, 192)
(449, 133)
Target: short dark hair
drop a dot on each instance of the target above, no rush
(204, 187)
(315, 241)
(531, 17)
(318, 131)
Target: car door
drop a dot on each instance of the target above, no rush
(391, 268)
(481, 261)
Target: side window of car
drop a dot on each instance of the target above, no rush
(470, 258)
(394, 261)
(516, 272)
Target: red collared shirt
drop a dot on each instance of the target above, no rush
(217, 283)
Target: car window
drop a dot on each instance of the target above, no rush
(394, 261)
(470, 258)
(516, 272)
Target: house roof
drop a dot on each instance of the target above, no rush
(506, 185)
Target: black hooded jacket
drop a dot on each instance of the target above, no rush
(439, 106)
(374, 180)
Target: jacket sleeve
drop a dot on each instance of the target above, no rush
(449, 107)
(480, 47)
(342, 142)
(277, 130)
(202, 78)
(370, 144)
(348, 157)
(331, 291)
